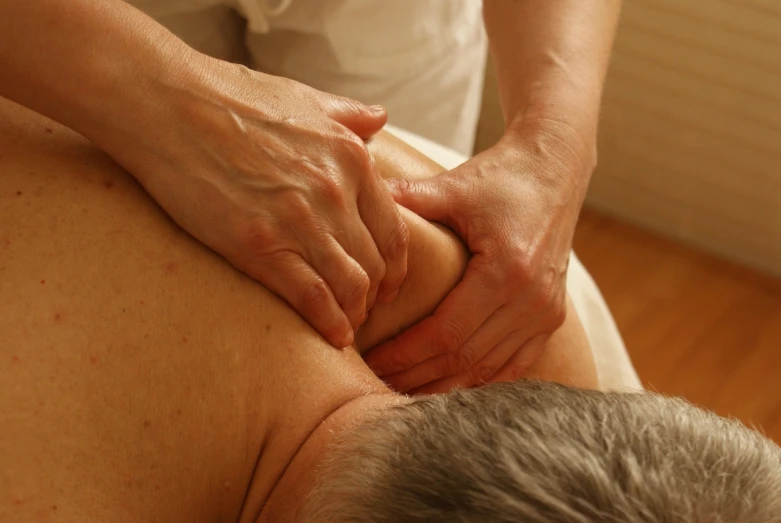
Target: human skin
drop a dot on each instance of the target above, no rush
(274, 175)
(143, 378)
(270, 173)
(515, 204)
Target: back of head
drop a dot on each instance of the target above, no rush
(540, 452)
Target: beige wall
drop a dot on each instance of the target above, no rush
(690, 138)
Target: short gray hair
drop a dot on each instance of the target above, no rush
(539, 452)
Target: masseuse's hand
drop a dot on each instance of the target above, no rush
(515, 206)
(274, 176)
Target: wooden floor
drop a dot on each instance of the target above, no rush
(694, 325)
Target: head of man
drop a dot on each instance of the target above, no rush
(540, 452)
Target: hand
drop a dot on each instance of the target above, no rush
(515, 205)
(274, 176)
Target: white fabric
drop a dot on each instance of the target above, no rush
(422, 59)
(614, 367)
(259, 12)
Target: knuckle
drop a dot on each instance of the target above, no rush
(398, 240)
(325, 185)
(377, 271)
(546, 294)
(332, 191)
(314, 295)
(540, 297)
(352, 106)
(359, 286)
(498, 278)
(399, 362)
(450, 336)
(244, 71)
(482, 372)
(458, 362)
(298, 204)
(352, 143)
(518, 268)
(515, 372)
(256, 234)
(301, 214)
(559, 314)
(355, 149)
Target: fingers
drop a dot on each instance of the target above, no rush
(429, 199)
(363, 120)
(288, 275)
(359, 245)
(516, 344)
(374, 233)
(475, 362)
(430, 371)
(384, 222)
(523, 358)
(454, 321)
(483, 372)
(345, 276)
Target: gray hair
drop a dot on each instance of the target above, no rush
(540, 452)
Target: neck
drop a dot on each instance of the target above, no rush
(322, 394)
(288, 497)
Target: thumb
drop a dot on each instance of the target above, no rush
(363, 120)
(429, 198)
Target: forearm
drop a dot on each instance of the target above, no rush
(85, 63)
(551, 57)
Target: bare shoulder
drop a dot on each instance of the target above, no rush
(128, 352)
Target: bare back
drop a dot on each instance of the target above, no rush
(134, 361)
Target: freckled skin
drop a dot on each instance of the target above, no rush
(237, 394)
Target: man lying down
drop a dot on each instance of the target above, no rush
(145, 379)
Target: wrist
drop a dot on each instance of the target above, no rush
(142, 120)
(558, 165)
(127, 101)
(560, 115)
(560, 139)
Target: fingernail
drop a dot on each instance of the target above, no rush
(348, 339)
(377, 108)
